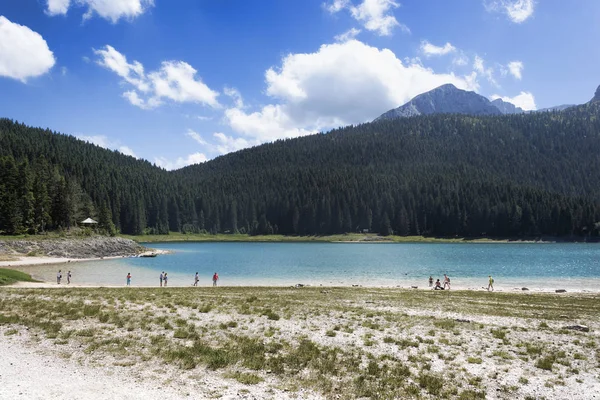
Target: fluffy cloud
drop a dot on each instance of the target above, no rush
(516, 68)
(349, 34)
(195, 158)
(112, 10)
(479, 67)
(374, 15)
(104, 141)
(525, 100)
(58, 7)
(340, 84)
(175, 80)
(23, 53)
(518, 11)
(432, 50)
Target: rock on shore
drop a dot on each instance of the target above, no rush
(89, 247)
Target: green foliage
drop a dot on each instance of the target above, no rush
(441, 175)
(9, 276)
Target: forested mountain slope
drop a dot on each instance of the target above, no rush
(498, 176)
(441, 174)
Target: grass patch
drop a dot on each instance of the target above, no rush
(10, 276)
(245, 378)
(546, 363)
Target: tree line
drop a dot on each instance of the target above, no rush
(444, 175)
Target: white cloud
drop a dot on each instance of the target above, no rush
(227, 144)
(112, 10)
(374, 15)
(518, 11)
(127, 151)
(195, 158)
(132, 73)
(516, 68)
(272, 122)
(525, 100)
(98, 140)
(235, 95)
(24, 53)
(64, 71)
(104, 141)
(432, 50)
(460, 60)
(479, 67)
(348, 35)
(196, 136)
(175, 80)
(340, 84)
(58, 7)
(337, 5)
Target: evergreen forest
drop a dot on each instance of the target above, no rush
(516, 176)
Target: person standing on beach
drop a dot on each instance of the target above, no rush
(161, 278)
(68, 277)
(165, 279)
(58, 277)
(196, 279)
(215, 279)
(446, 281)
(430, 281)
(491, 283)
(129, 279)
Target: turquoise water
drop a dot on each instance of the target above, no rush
(537, 266)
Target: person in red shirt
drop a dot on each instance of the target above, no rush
(215, 279)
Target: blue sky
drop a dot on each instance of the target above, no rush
(182, 81)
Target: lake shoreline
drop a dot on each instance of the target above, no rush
(530, 289)
(344, 238)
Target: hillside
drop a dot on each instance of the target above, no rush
(446, 175)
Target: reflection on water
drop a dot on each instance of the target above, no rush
(571, 266)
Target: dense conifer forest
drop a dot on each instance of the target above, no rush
(521, 175)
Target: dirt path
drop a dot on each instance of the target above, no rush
(25, 374)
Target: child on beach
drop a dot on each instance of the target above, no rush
(161, 277)
(58, 277)
(438, 285)
(129, 279)
(196, 279)
(165, 279)
(215, 279)
(491, 283)
(68, 277)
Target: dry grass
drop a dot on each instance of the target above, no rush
(341, 343)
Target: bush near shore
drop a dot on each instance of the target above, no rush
(10, 276)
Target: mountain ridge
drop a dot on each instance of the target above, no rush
(445, 99)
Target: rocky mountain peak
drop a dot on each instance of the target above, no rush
(597, 95)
